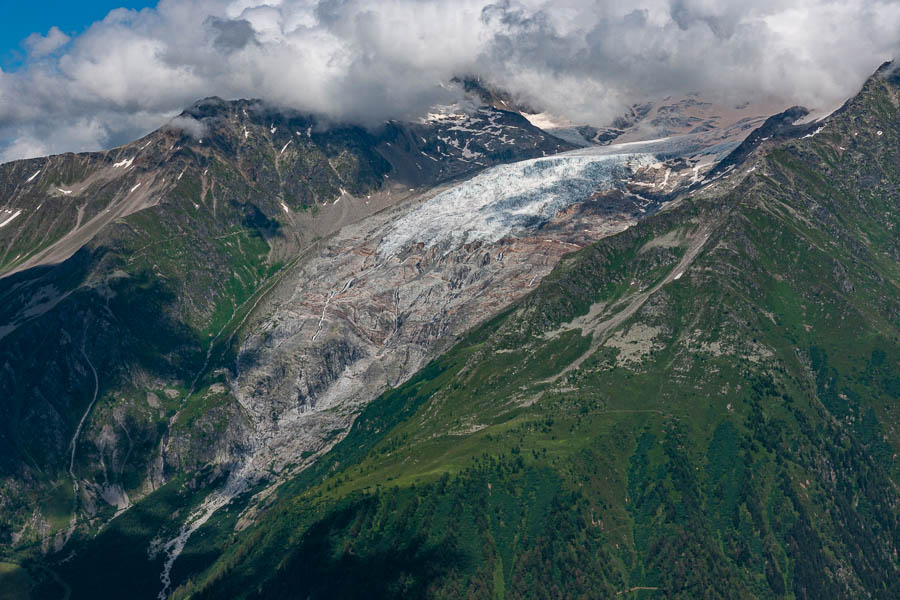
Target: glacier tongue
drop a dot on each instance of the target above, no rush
(505, 200)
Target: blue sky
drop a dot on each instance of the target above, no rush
(21, 18)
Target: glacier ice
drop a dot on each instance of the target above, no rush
(508, 199)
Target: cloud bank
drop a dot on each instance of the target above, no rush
(367, 61)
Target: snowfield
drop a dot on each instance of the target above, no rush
(507, 199)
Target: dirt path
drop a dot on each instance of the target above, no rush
(74, 444)
(74, 441)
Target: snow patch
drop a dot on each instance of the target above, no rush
(678, 276)
(66, 192)
(124, 163)
(7, 221)
(445, 113)
(283, 148)
(136, 186)
(814, 133)
(30, 179)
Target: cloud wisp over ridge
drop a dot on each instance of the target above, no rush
(367, 61)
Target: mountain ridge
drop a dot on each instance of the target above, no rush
(669, 405)
(790, 443)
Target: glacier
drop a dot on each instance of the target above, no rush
(507, 200)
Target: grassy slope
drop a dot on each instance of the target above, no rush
(732, 437)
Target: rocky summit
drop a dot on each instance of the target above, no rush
(484, 354)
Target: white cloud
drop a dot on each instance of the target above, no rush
(41, 45)
(189, 125)
(368, 61)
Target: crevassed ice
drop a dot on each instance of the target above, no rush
(508, 199)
